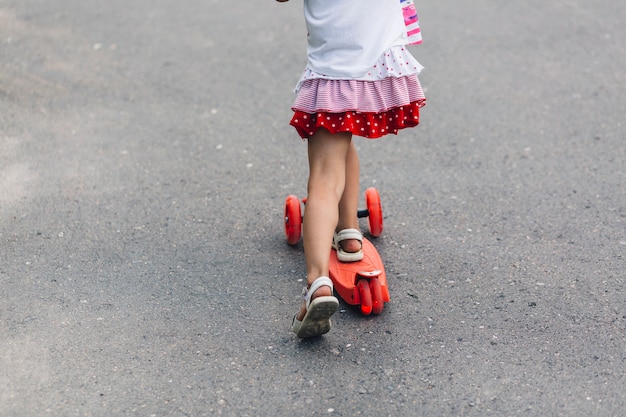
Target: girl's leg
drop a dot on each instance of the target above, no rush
(328, 156)
(349, 204)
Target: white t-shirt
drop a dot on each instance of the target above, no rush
(346, 37)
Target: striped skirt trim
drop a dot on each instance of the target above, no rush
(337, 96)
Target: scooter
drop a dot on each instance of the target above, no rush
(363, 282)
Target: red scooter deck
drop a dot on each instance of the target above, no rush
(361, 283)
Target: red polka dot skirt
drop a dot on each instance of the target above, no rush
(370, 109)
(368, 125)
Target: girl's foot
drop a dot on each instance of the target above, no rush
(314, 318)
(349, 245)
(320, 292)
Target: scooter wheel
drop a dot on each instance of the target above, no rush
(374, 207)
(376, 291)
(293, 219)
(366, 296)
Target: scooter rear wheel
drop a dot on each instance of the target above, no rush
(366, 296)
(376, 291)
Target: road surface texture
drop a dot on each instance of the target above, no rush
(145, 156)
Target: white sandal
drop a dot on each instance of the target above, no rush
(346, 234)
(316, 321)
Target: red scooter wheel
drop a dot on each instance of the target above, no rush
(372, 199)
(366, 296)
(293, 219)
(376, 291)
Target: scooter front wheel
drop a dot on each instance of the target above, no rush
(293, 219)
(375, 210)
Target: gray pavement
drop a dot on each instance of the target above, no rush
(144, 160)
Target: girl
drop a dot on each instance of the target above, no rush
(359, 80)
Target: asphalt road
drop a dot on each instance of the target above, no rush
(144, 160)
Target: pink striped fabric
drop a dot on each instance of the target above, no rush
(411, 20)
(337, 96)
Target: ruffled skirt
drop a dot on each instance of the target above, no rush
(367, 108)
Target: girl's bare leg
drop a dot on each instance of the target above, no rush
(349, 203)
(328, 158)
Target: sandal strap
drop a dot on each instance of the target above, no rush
(346, 234)
(317, 284)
